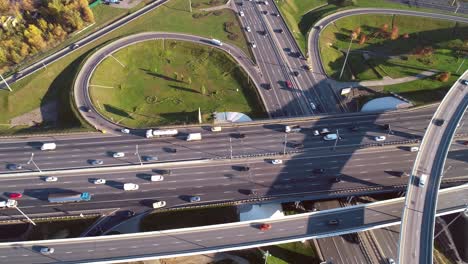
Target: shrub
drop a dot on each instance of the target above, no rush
(217, 12)
(444, 77)
(233, 36)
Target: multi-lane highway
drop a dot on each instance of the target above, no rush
(416, 244)
(225, 237)
(260, 138)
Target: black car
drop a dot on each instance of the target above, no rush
(267, 86)
(386, 126)
(279, 30)
(298, 145)
(265, 12)
(150, 158)
(439, 122)
(334, 222)
(241, 135)
(319, 171)
(15, 166)
(244, 168)
(295, 73)
(336, 179)
(275, 14)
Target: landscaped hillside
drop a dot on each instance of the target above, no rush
(30, 26)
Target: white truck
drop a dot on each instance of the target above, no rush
(292, 129)
(161, 132)
(422, 179)
(216, 42)
(8, 204)
(194, 136)
(48, 146)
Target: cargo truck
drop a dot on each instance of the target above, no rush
(68, 197)
(8, 204)
(216, 42)
(194, 136)
(161, 133)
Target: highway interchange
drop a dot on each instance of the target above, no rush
(222, 180)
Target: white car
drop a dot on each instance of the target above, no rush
(47, 250)
(241, 13)
(330, 137)
(157, 178)
(51, 179)
(253, 45)
(247, 28)
(118, 155)
(316, 133)
(159, 204)
(130, 186)
(195, 199)
(276, 161)
(125, 130)
(100, 181)
(380, 138)
(313, 106)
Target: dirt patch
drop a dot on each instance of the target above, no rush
(45, 113)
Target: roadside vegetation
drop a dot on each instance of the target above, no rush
(289, 253)
(29, 27)
(53, 84)
(189, 218)
(166, 81)
(202, 4)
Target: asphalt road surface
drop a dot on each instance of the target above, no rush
(416, 244)
(217, 238)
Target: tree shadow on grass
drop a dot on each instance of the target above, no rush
(183, 89)
(164, 77)
(289, 256)
(117, 111)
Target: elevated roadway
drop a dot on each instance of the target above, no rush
(417, 235)
(225, 237)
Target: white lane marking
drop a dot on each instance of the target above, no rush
(112, 249)
(90, 250)
(240, 235)
(155, 245)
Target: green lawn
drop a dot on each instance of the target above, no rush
(189, 218)
(165, 82)
(296, 252)
(54, 82)
(200, 4)
(394, 58)
(301, 15)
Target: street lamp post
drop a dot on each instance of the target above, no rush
(31, 160)
(353, 36)
(29, 219)
(266, 254)
(138, 155)
(337, 138)
(285, 143)
(7, 85)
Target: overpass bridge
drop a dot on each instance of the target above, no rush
(223, 237)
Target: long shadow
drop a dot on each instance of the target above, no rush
(117, 111)
(161, 76)
(183, 89)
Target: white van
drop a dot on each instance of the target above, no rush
(130, 186)
(422, 180)
(159, 204)
(414, 149)
(216, 129)
(157, 177)
(48, 146)
(194, 136)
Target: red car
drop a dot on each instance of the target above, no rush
(265, 227)
(289, 84)
(15, 195)
(465, 143)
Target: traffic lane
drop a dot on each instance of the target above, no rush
(149, 243)
(33, 143)
(204, 148)
(387, 239)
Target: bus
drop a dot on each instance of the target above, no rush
(67, 197)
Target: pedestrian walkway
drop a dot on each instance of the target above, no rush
(214, 8)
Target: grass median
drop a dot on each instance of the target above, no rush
(165, 82)
(53, 83)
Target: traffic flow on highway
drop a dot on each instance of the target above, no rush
(310, 148)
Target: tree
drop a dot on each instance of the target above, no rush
(4, 6)
(3, 58)
(362, 39)
(42, 24)
(59, 33)
(444, 77)
(394, 35)
(34, 37)
(28, 5)
(384, 28)
(24, 49)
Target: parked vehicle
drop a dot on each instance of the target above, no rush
(8, 204)
(99, 181)
(380, 138)
(422, 179)
(159, 204)
(292, 129)
(276, 161)
(48, 146)
(15, 195)
(130, 186)
(194, 136)
(265, 227)
(67, 197)
(157, 177)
